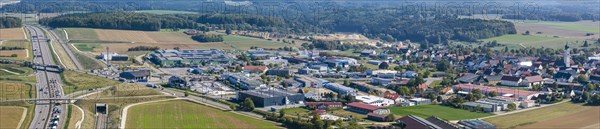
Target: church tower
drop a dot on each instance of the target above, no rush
(567, 55)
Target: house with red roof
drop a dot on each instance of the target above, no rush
(364, 108)
(255, 69)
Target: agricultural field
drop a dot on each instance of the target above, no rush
(96, 40)
(186, 114)
(86, 46)
(10, 117)
(440, 111)
(76, 81)
(16, 90)
(516, 41)
(25, 54)
(12, 34)
(165, 12)
(566, 29)
(564, 115)
(81, 34)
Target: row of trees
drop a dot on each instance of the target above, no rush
(208, 38)
(122, 20)
(335, 45)
(10, 22)
(143, 48)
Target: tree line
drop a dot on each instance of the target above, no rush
(122, 20)
(10, 22)
(208, 38)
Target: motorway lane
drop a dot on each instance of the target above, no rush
(48, 85)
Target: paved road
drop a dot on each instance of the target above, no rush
(48, 83)
(101, 121)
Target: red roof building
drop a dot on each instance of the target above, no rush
(255, 69)
(362, 108)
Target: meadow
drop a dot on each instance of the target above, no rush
(186, 114)
(76, 81)
(444, 112)
(516, 41)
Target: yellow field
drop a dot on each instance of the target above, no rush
(554, 116)
(10, 117)
(75, 117)
(124, 35)
(12, 34)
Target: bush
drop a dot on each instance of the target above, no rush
(208, 38)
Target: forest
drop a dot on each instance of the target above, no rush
(10, 22)
(122, 20)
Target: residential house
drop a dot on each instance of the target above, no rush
(510, 80)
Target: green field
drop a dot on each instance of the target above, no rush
(297, 111)
(76, 81)
(185, 114)
(17, 73)
(165, 12)
(229, 38)
(86, 47)
(16, 90)
(88, 62)
(577, 26)
(513, 41)
(443, 112)
(82, 34)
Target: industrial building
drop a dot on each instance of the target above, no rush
(175, 58)
(243, 81)
(265, 97)
(340, 89)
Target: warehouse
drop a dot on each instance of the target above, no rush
(175, 58)
(265, 97)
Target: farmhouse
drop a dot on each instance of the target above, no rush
(265, 97)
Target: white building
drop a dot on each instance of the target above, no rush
(374, 100)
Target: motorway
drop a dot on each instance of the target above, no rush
(48, 83)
